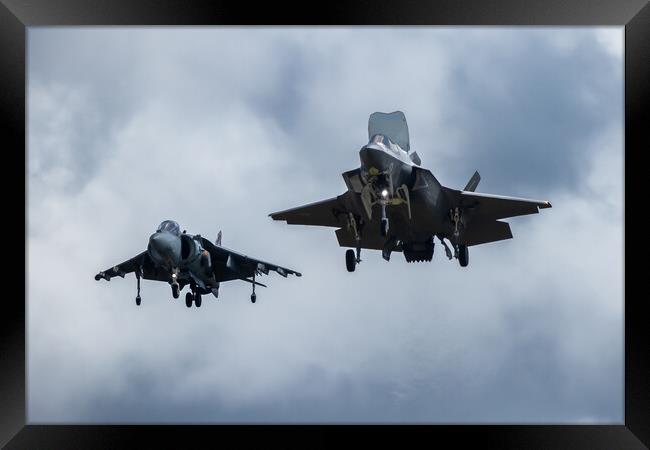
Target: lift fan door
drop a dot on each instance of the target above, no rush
(392, 125)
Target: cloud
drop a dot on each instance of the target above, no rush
(216, 128)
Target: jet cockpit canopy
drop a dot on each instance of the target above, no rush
(383, 141)
(169, 226)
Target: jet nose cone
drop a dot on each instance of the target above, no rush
(164, 246)
(373, 157)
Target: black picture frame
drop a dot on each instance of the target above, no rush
(634, 15)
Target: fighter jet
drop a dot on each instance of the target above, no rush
(393, 204)
(182, 259)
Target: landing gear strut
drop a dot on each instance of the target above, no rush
(384, 220)
(454, 215)
(350, 259)
(175, 287)
(137, 298)
(253, 296)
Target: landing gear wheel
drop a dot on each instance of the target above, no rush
(197, 300)
(188, 299)
(175, 290)
(384, 227)
(463, 255)
(138, 300)
(350, 260)
(253, 297)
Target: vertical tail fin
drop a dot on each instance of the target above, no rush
(473, 182)
(218, 241)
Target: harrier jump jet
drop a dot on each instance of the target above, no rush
(182, 259)
(394, 204)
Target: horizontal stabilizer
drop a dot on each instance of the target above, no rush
(372, 241)
(484, 232)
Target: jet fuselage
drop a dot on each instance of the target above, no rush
(183, 256)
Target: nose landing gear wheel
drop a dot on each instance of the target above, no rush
(188, 299)
(350, 260)
(175, 290)
(253, 297)
(463, 255)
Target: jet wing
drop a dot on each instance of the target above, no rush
(142, 263)
(235, 265)
(488, 206)
(326, 213)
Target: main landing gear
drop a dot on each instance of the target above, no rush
(460, 250)
(193, 297)
(138, 300)
(351, 260)
(253, 296)
(463, 255)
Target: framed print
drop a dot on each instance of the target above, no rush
(185, 152)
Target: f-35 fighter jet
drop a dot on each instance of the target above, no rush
(394, 204)
(182, 259)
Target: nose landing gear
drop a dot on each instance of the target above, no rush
(384, 221)
(175, 286)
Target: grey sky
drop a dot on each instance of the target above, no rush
(217, 127)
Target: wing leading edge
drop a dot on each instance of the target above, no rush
(332, 212)
(489, 206)
(236, 265)
(141, 262)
